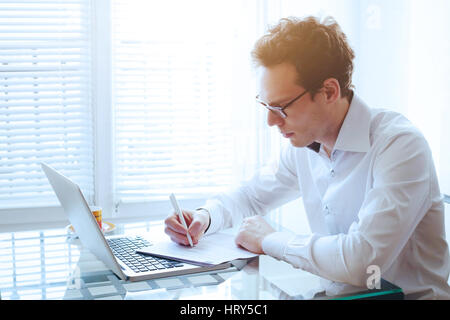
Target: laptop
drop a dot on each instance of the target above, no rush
(118, 252)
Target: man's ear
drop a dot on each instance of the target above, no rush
(332, 90)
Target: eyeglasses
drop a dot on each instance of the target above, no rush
(278, 109)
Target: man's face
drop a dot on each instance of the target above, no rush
(305, 117)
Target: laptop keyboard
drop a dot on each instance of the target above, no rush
(124, 249)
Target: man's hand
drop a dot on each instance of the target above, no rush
(252, 232)
(197, 222)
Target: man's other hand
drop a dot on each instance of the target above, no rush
(252, 232)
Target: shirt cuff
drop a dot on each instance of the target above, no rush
(275, 244)
(215, 216)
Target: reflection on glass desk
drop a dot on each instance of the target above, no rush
(49, 264)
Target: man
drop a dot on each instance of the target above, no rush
(366, 176)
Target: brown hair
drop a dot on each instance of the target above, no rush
(318, 50)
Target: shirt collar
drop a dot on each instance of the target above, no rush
(354, 133)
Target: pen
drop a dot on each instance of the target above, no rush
(180, 214)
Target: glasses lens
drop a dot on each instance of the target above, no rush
(276, 112)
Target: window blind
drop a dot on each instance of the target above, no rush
(45, 110)
(172, 126)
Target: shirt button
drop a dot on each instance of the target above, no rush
(333, 156)
(327, 210)
(332, 172)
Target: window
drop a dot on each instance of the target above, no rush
(130, 99)
(45, 110)
(174, 113)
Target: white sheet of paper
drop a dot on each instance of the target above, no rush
(210, 250)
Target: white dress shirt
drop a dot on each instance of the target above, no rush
(374, 201)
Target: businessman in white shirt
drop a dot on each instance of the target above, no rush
(366, 176)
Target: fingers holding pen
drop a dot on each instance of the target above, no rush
(175, 229)
(197, 222)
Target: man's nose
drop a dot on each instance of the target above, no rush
(273, 118)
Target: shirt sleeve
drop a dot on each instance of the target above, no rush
(274, 185)
(398, 199)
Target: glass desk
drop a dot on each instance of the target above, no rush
(49, 264)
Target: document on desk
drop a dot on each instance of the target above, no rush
(210, 250)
